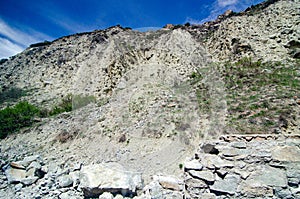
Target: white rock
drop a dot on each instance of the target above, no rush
(207, 176)
(106, 195)
(193, 165)
(65, 181)
(111, 177)
(15, 175)
(168, 182)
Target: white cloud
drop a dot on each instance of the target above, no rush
(8, 48)
(224, 3)
(218, 7)
(13, 40)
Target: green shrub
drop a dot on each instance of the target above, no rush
(64, 106)
(14, 118)
(2, 61)
(44, 43)
(11, 94)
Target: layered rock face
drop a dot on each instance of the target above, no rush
(146, 136)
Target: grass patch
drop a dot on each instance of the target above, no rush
(258, 93)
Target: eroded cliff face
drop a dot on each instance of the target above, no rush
(93, 63)
(149, 114)
(268, 34)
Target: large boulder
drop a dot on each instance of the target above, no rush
(111, 177)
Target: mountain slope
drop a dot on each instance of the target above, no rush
(156, 95)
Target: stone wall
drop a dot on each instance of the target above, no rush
(241, 166)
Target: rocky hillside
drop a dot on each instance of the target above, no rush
(143, 102)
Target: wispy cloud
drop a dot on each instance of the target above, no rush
(61, 17)
(13, 40)
(65, 22)
(224, 3)
(146, 29)
(7, 48)
(220, 6)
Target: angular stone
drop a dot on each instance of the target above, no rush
(15, 175)
(29, 180)
(230, 152)
(222, 173)
(168, 182)
(99, 178)
(214, 161)
(195, 183)
(267, 176)
(227, 185)
(295, 190)
(70, 195)
(208, 196)
(118, 197)
(65, 181)
(255, 192)
(293, 170)
(193, 165)
(262, 154)
(152, 190)
(209, 148)
(106, 195)
(294, 182)
(17, 165)
(28, 160)
(18, 187)
(207, 176)
(35, 165)
(282, 193)
(286, 153)
(239, 145)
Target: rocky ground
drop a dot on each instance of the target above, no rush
(160, 102)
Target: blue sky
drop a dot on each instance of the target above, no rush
(23, 22)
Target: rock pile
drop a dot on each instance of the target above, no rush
(257, 166)
(32, 178)
(236, 166)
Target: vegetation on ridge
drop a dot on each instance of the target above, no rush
(13, 118)
(260, 96)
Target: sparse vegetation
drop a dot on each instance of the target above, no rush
(64, 106)
(14, 118)
(80, 101)
(258, 93)
(2, 61)
(180, 166)
(44, 43)
(11, 94)
(69, 103)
